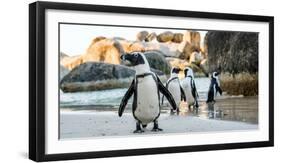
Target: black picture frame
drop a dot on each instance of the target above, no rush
(37, 80)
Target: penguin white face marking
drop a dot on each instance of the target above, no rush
(215, 75)
(138, 60)
(135, 58)
(188, 72)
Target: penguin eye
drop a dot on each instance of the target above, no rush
(136, 55)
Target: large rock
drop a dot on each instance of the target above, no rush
(63, 71)
(176, 62)
(232, 52)
(71, 62)
(63, 55)
(101, 49)
(181, 63)
(169, 49)
(105, 50)
(204, 48)
(157, 61)
(151, 37)
(190, 43)
(177, 38)
(193, 38)
(141, 36)
(196, 58)
(130, 46)
(165, 36)
(185, 49)
(204, 65)
(92, 76)
(97, 39)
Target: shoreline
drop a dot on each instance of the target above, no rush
(86, 124)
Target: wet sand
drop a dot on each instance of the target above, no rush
(231, 114)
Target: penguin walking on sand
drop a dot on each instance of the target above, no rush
(214, 87)
(175, 88)
(146, 88)
(189, 87)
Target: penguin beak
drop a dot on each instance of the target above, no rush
(123, 57)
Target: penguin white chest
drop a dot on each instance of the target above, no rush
(174, 89)
(147, 108)
(186, 84)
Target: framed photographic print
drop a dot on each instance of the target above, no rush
(108, 81)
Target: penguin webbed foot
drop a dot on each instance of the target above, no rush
(156, 127)
(138, 130)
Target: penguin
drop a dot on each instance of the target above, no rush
(189, 87)
(214, 87)
(175, 88)
(146, 87)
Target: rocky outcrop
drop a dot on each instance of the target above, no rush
(165, 36)
(63, 55)
(193, 38)
(97, 39)
(177, 38)
(129, 46)
(167, 49)
(232, 52)
(204, 65)
(185, 49)
(109, 50)
(181, 63)
(92, 76)
(152, 36)
(100, 50)
(71, 62)
(190, 43)
(195, 58)
(157, 61)
(141, 36)
(105, 50)
(63, 71)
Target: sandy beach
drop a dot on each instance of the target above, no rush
(88, 123)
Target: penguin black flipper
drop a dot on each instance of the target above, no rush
(166, 93)
(126, 98)
(194, 90)
(210, 94)
(162, 101)
(218, 89)
(183, 97)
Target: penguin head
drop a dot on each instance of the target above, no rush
(138, 60)
(215, 75)
(188, 72)
(135, 58)
(175, 70)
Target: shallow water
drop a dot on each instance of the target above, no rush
(113, 97)
(243, 109)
